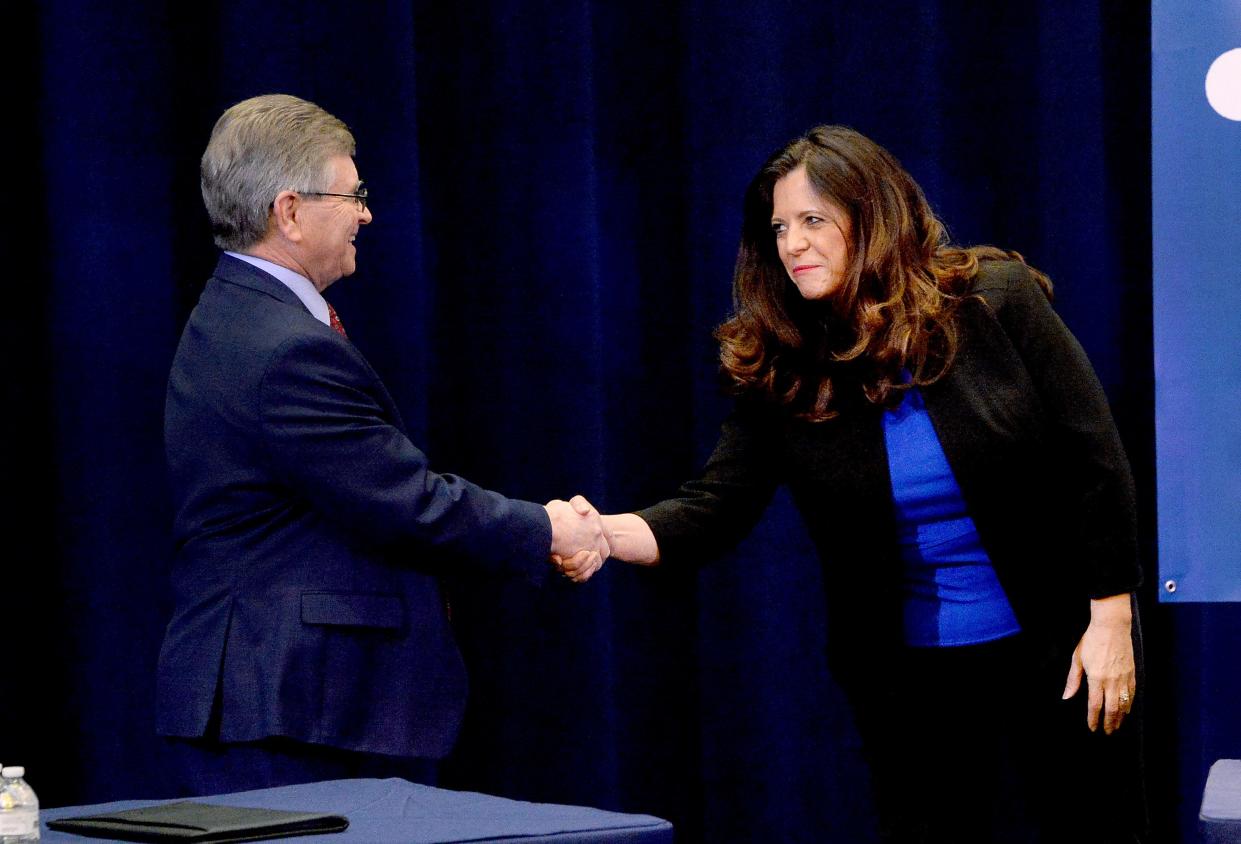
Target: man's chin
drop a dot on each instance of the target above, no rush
(344, 271)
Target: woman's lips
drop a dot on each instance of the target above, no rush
(801, 268)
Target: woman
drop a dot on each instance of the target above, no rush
(952, 453)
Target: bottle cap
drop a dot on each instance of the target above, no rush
(13, 772)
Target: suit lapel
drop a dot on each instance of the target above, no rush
(985, 408)
(846, 459)
(233, 271)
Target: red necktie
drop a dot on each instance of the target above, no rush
(334, 321)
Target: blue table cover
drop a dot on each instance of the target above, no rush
(398, 812)
(1219, 820)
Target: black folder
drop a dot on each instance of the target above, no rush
(189, 821)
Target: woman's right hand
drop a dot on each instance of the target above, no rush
(628, 537)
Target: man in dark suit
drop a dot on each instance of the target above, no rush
(309, 638)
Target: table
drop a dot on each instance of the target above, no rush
(1219, 819)
(394, 811)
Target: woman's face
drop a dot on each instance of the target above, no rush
(812, 236)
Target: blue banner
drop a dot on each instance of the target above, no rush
(1196, 161)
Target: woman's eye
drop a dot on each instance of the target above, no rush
(813, 221)
(778, 229)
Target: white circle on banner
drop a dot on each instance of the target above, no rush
(1224, 84)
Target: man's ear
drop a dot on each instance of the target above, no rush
(284, 215)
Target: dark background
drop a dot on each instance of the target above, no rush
(556, 188)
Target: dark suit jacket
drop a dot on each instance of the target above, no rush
(1026, 428)
(305, 524)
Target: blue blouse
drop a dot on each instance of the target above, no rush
(951, 593)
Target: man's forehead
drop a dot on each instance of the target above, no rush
(343, 169)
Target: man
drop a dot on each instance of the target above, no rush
(309, 638)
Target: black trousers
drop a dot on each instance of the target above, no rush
(974, 744)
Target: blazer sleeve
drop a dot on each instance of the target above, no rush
(1097, 483)
(329, 439)
(713, 513)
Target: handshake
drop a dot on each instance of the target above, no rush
(580, 540)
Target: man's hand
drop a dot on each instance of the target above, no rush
(579, 546)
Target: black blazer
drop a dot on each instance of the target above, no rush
(306, 524)
(1026, 428)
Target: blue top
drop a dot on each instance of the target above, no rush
(951, 593)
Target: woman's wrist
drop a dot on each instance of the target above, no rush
(630, 539)
(1112, 610)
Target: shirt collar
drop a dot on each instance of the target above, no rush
(301, 286)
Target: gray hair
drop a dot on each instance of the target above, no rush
(258, 148)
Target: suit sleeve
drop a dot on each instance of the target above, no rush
(329, 440)
(713, 513)
(1097, 483)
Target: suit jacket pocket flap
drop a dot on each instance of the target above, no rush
(353, 609)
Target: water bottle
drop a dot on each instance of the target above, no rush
(19, 808)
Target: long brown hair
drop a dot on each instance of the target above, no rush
(895, 311)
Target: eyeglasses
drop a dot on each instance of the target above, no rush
(360, 197)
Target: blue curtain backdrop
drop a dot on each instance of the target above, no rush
(556, 192)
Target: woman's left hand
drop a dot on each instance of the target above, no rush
(1105, 656)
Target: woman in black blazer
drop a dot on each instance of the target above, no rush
(952, 453)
